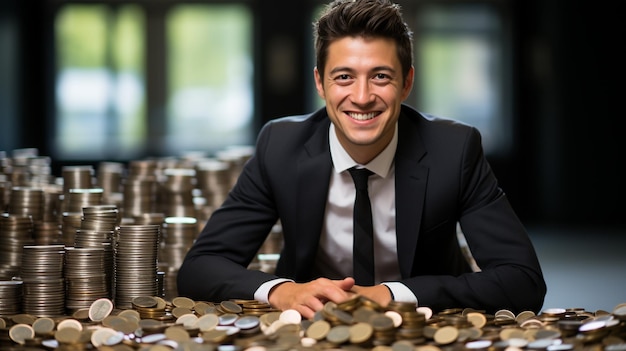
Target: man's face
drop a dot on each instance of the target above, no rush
(363, 89)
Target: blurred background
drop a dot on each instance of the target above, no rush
(85, 82)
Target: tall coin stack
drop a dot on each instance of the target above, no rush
(15, 232)
(44, 286)
(214, 181)
(179, 234)
(140, 189)
(176, 198)
(136, 251)
(10, 297)
(75, 177)
(89, 266)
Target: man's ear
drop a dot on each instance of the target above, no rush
(319, 85)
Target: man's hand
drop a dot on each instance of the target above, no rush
(378, 293)
(307, 298)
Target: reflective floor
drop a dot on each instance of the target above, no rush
(583, 267)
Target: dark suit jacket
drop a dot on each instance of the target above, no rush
(442, 178)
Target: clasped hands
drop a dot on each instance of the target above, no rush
(308, 298)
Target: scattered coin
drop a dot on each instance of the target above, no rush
(100, 309)
(21, 332)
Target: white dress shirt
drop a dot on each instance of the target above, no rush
(334, 256)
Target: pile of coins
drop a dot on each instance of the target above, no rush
(154, 324)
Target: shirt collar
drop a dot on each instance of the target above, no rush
(380, 165)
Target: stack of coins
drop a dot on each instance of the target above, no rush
(88, 276)
(70, 223)
(77, 199)
(75, 177)
(214, 181)
(10, 297)
(176, 195)
(178, 235)
(136, 251)
(15, 232)
(139, 196)
(26, 201)
(110, 175)
(42, 274)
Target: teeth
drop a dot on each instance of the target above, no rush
(363, 116)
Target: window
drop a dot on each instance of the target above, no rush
(210, 100)
(462, 70)
(104, 55)
(100, 88)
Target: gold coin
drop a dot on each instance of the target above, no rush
(231, 307)
(511, 333)
(201, 307)
(183, 302)
(145, 301)
(318, 330)
(177, 333)
(21, 332)
(216, 336)
(130, 315)
(181, 311)
(360, 333)
(477, 319)
(187, 320)
(524, 315)
(446, 335)
(207, 322)
(3, 323)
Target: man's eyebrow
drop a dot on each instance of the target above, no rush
(375, 69)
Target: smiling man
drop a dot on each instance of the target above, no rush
(428, 174)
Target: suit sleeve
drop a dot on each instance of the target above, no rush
(510, 276)
(215, 268)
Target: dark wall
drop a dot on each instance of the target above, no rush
(567, 159)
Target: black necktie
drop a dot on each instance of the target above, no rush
(363, 242)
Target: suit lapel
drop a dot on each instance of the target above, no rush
(411, 178)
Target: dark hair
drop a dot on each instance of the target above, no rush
(365, 18)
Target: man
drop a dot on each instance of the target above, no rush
(429, 174)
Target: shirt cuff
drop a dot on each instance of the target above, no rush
(262, 293)
(400, 292)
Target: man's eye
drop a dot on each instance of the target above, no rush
(343, 77)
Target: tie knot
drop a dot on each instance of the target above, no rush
(360, 176)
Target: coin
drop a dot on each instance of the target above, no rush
(183, 302)
(207, 322)
(477, 319)
(105, 336)
(230, 307)
(177, 333)
(43, 325)
(291, 316)
(360, 333)
(21, 332)
(100, 309)
(67, 335)
(318, 330)
(446, 335)
(69, 323)
(338, 334)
